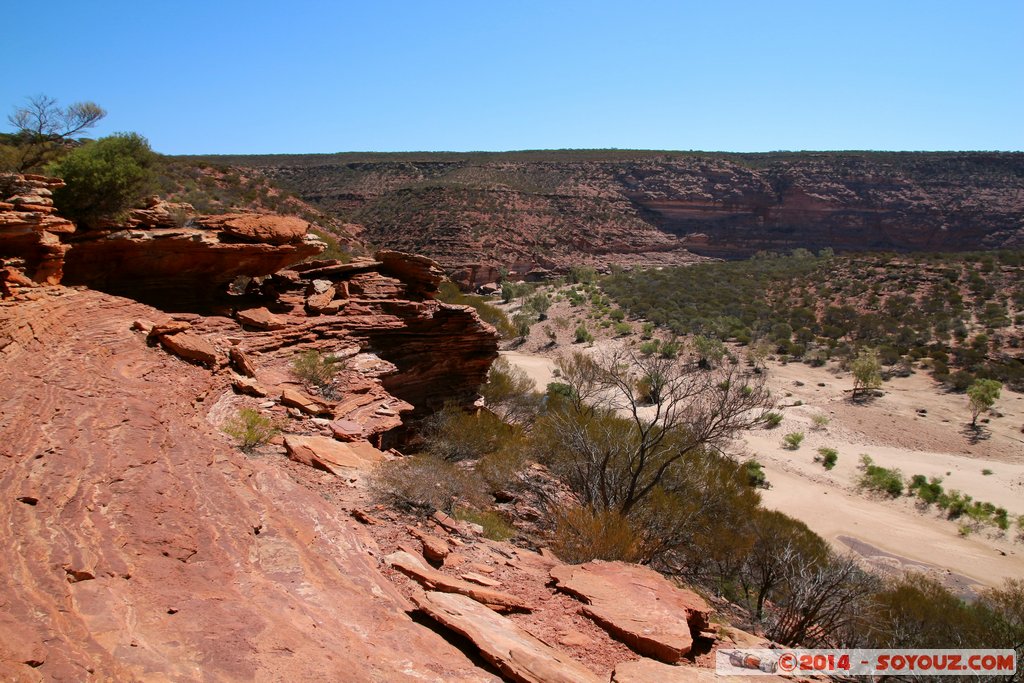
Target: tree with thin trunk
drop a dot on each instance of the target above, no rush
(867, 372)
(43, 128)
(982, 395)
(615, 442)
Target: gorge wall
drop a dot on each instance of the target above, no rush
(533, 211)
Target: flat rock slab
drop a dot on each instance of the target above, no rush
(517, 654)
(260, 318)
(306, 403)
(434, 580)
(637, 606)
(190, 347)
(334, 456)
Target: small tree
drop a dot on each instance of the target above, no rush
(105, 178)
(616, 446)
(982, 395)
(43, 128)
(867, 372)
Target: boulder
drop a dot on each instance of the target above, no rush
(248, 386)
(422, 275)
(346, 430)
(190, 347)
(330, 455)
(170, 327)
(435, 580)
(259, 318)
(320, 297)
(241, 362)
(304, 402)
(517, 654)
(435, 549)
(258, 227)
(637, 606)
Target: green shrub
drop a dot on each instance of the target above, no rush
(820, 421)
(755, 474)
(928, 490)
(649, 348)
(827, 457)
(880, 479)
(251, 429)
(495, 526)
(583, 335)
(623, 329)
(105, 178)
(793, 440)
(315, 369)
(772, 420)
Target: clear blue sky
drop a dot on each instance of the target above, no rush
(755, 75)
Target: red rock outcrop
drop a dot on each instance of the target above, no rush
(638, 606)
(517, 654)
(178, 268)
(29, 229)
(142, 546)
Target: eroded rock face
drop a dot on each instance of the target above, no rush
(140, 545)
(637, 605)
(650, 208)
(29, 228)
(176, 268)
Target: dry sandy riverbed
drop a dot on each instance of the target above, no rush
(889, 534)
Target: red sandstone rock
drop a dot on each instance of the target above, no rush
(517, 654)
(208, 564)
(190, 347)
(248, 386)
(260, 228)
(304, 402)
(260, 318)
(421, 274)
(433, 579)
(637, 605)
(170, 327)
(330, 455)
(241, 362)
(434, 549)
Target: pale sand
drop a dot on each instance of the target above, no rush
(890, 430)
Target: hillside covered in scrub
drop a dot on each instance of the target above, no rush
(480, 213)
(958, 315)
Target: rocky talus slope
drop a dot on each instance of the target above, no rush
(537, 211)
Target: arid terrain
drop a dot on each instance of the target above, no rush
(915, 426)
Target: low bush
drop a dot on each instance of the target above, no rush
(582, 534)
(317, 370)
(827, 457)
(793, 440)
(772, 420)
(495, 526)
(880, 479)
(427, 483)
(583, 335)
(251, 429)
